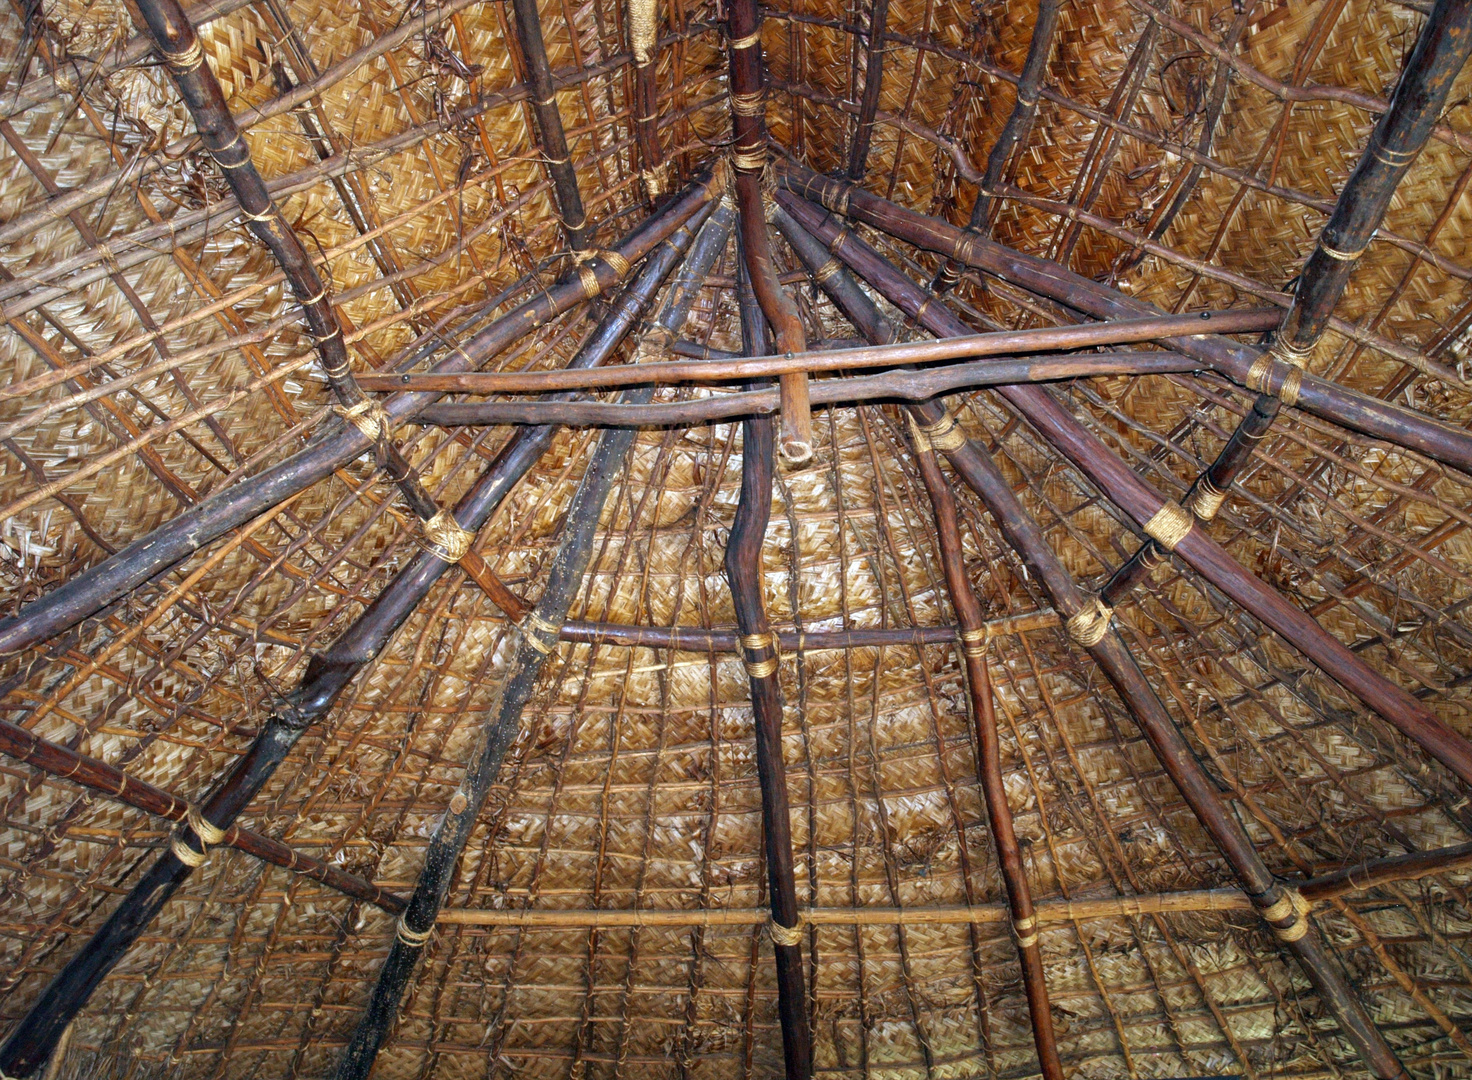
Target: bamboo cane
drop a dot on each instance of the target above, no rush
(1013, 134)
(1090, 625)
(90, 591)
(972, 636)
(1347, 408)
(551, 138)
(761, 655)
(732, 369)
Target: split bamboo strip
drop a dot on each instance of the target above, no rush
(1089, 623)
(1004, 342)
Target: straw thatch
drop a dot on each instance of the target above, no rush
(154, 356)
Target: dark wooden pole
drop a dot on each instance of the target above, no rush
(1090, 625)
(643, 27)
(92, 590)
(67, 764)
(701, 639)
(1013, 135)
(327, 675)
(749, 156)
(858, 157)
(972, 636)
(1242, 364)
(899, 385)
(1158, 517)
(734, 368)
(762, 656)
(551, 139)
(178, 44)
(1397, 139)
(537, 640)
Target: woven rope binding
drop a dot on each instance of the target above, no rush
(445, 539)
(785, 935)
(1089, 626)
(1170, 525)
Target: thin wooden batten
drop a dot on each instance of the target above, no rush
(1354, 879)
(1091, 626)
(536, 641)
(90, 591)
(1395, 142)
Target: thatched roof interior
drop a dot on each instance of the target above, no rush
(155, 358)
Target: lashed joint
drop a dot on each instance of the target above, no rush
(1170, 525)
(1290, 904)
(540, 634)
(756, 643)
(205, 831)
(1089, 625)
(945, 434)
(445, 539)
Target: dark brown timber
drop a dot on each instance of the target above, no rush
(1002, 343)
(327, 675)
(551, 139)
(763, 658)
(643, 26)
(1013, 135)
(1091, 627)
(898, 385)
(88, 592)
(1329, 401)
(65, 763)
(858, 157)
(1159, 517)
(178, 44)
(537, 640)
(1397, 139)
(749, 156)
(972, 636)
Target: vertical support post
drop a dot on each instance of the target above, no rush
(858, 157)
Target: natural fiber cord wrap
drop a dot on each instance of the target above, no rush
(973, 641)
(540, 634)
(1207, 499)
(1089, 626)
(1291, 903)
(1026, 932)
(760, 669)
(368, 416)
(445, 539)
(945, 434)
(1170, 525)
(785, 935)
(206, 832)
(643, 30)
(415, 939)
